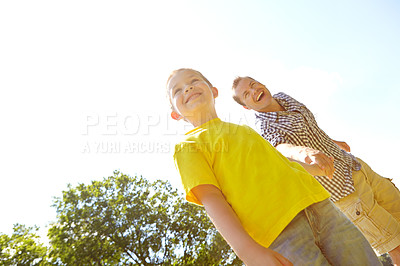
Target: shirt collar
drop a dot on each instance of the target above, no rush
(206, 125)
(287, 102)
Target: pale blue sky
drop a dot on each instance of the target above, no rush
(82, 83)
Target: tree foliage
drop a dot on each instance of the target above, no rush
(129, 220)
(122, 220)
(22, 247)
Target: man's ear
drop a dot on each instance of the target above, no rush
(245, 107)
(215, 92)
(176, 116)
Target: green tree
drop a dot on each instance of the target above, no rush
(129, 220)
(22, 247)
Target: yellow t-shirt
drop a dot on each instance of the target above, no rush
(264, 188)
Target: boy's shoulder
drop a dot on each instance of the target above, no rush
(211, 133)
(214, 127)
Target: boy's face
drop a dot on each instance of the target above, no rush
(189, 94)
(254, 95)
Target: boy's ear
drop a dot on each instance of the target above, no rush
(176, 116)
(215, 92)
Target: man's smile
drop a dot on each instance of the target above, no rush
(259, 96)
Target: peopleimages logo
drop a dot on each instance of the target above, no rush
(129, 125)
(116, 133)
(114, 147)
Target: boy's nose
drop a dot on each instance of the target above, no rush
(188, 88)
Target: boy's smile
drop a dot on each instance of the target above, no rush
(192, 96)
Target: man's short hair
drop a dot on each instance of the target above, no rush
(234, 85)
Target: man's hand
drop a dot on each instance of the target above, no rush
(319, 158)
(310, 157)
(343, 145)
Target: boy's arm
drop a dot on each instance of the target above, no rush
(308, 156)
(227, 223)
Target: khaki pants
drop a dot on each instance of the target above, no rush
(374, 208)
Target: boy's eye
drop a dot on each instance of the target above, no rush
(175, 92)
(194, 80)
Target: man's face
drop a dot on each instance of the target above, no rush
(190, 93)
(253, 94)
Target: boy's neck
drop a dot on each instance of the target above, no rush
(200, 118)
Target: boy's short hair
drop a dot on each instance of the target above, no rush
(234, 85)
(184, 69)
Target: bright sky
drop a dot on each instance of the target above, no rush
(83, 83)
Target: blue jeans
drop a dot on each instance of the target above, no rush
(322, 235)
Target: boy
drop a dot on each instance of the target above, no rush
(265, 206)
(369, 200)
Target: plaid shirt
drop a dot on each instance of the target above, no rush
(297, 126)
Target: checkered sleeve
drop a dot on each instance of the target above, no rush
(297, 125)
(275, 137)
(271, 134)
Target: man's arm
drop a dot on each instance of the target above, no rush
(228, 224)
(308, 156)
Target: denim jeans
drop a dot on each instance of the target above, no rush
(322, 235)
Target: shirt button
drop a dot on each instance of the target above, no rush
(357, 212)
